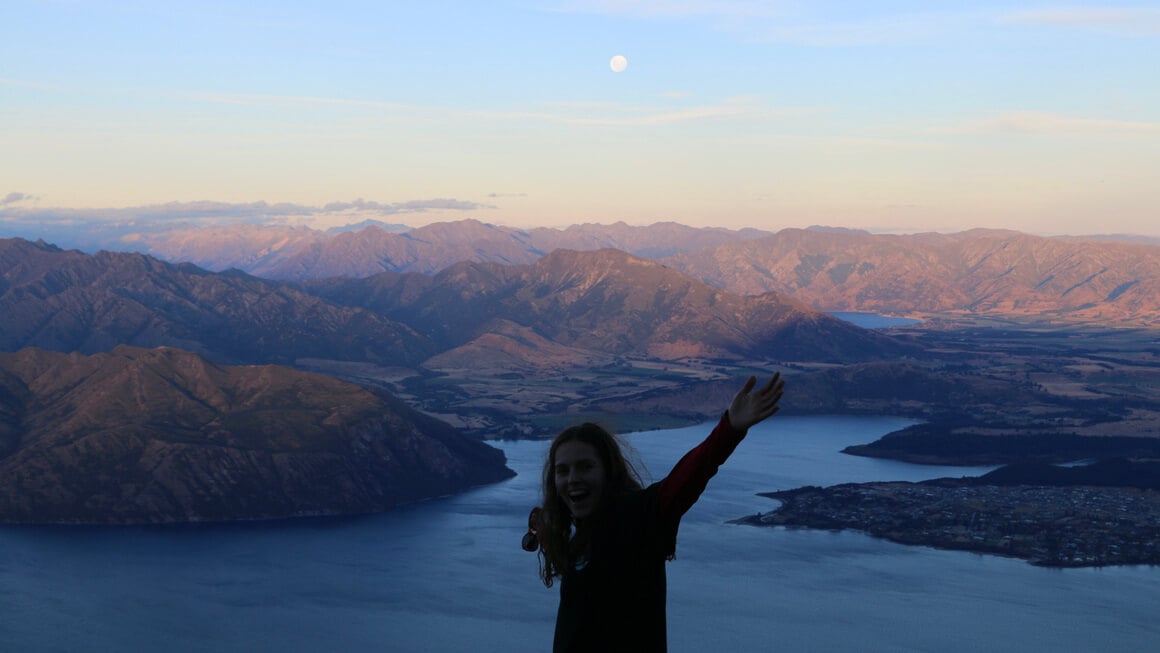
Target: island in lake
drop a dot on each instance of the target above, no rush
(1032, 512)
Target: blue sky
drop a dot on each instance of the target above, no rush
(1037, 116)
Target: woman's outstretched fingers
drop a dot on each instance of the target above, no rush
(770, 395)
(749, 408)
(749, 383)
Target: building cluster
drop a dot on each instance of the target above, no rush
(1069, 526)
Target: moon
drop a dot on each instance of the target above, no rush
(618, 64)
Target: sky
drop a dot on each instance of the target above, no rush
(889, 115)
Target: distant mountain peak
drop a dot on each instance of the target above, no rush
(378, 224)
(836, 230)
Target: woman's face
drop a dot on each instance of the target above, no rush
(580, 477)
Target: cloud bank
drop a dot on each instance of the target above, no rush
(15, 197)
(112, 228)
(1138, 21)
(206, 213)
(1031, 122)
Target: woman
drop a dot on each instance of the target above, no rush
(607, 538)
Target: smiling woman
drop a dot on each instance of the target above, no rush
(579, 476)
(607, 538)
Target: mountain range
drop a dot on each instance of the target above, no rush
(977, 272)
(141, 390)
(601, 301)
(277, 252)
(610, 302)
(65, 300)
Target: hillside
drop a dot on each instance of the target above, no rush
(64, 300)
(279, 252)
(247, 247)
(162, 435)
(978, 272)
(609, 302)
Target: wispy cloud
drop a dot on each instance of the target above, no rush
(676, 8)
(14, 197)
(883, 30)
(793, 22)
(251, 99)
(628, 115)
(205, 213)
(413, 206)
(640, 116)
(26, 84)
(1029, 122)
(811, 25)
(1138, 21)
(563, 113)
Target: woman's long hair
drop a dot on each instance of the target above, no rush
(559, 547)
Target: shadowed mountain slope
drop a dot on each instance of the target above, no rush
(162, 435)
(514, 348)
(608, 301)
(69, 301)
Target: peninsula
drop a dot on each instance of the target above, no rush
(1060, 525)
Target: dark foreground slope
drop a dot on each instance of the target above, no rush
(162, 435)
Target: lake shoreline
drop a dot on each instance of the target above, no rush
(1047, 526)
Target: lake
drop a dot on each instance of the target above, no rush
(874, 320)
(449, 575)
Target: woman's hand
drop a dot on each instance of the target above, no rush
(749, 408)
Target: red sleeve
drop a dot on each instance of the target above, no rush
(684, 485)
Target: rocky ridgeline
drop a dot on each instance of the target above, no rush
(604, 302)
(65, 300)
(979, 271)
(608, 302)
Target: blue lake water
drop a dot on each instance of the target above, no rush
(874, 320)
(448, 575)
